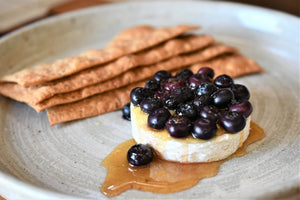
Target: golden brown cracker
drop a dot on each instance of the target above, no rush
(123, 45)
(92, 76)
(232, 65)
(84, 108)
(135, 75)
(95, 105)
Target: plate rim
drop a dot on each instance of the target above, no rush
(42, 193)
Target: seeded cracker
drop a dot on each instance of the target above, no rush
(96, 105)
(83, 108)
(35, 94)
(232, 65)
(123, 44)
(137, 74)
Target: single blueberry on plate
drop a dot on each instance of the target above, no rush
(139, 155)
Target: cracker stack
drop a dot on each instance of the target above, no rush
(99, 81)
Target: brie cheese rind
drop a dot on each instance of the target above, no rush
(188, 149)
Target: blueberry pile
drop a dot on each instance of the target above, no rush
(199, 102)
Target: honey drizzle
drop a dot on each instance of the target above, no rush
(162, 176)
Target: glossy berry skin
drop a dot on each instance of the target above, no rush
(178, 126)
(201, 101)
(184, 74)
(210, 112)
(138, 94)
(152, 84)
(207, 71)
(197, 79)
(232, 122)
(204, 129)
(139, 155)
(177, 96)
(206, 88)
(222, 98)
(148, 105)
(162, 75)
(158, 118)
(126, 111)
(187, 110)
(223, 81)
(241, 92)
(173, 84)
(244, 107)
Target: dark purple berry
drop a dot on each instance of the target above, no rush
(138, 94)
(184, 74)
(240, 92)
(173, 84)
(160, 94)
(232, 122)
(210, 112)
(139, 155)
(178, 126)
(244, 107)
(197, 79)
(158, 118)
(172, 101)
(206, 88)
(150, 104)
(162, 75)
(201, 101)
(207, 71)
(185, 93)
(152, 84)
(126, 111)
(222, 98)
(204, 129)
(187, 110)
(223, 81)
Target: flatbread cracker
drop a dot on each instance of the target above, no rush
(96, 105)
(135, 75)
(233, 65)
(99, 104)
(129, 41)
(35, 94)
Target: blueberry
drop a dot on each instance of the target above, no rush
(201, 101)
(178, 126)
(207, 71)
(206, 88)
(126, 111)
(245, 108)
(162, 75)
(232, 122)
(177, 96)
(204, 129)
(158, 118)
(210, 112)
(184, 74)
(197, 79)
(172, 101)
(152, 84)
(139, 155)
(222, 98)
(223, 81)
(187, 110)
(173, 84)
(150, 104)
(138, 94)
(240, 92)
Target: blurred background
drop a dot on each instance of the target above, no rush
(17, 13)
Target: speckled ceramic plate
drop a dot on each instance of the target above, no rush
(38, 161)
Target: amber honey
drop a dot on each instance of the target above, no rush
(162, 176)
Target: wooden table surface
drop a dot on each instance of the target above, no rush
(46, 8)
